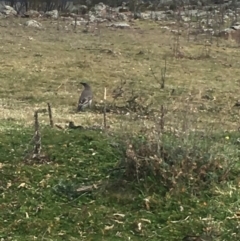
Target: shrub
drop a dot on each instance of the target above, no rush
(192, 161)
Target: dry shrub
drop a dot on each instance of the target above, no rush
(191, 163)
(231, 35)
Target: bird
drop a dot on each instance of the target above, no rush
(237, 104)
(86, 97)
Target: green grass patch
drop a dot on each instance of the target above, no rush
(41, 201)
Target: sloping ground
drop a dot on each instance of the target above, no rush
(39, 66)
(40, 201)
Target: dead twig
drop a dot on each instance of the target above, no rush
(163, 73)
(37, 137)
(58, 17)
(50, 114)
(104, 109)
(75, 24)
(162, 119)
(160, 131)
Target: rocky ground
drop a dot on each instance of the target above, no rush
(217, 20)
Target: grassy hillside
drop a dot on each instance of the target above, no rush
(157, 174)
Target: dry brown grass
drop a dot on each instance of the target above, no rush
(40, 66)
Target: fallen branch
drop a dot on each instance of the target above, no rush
(71, 125)
(59, 127)
(89, 188)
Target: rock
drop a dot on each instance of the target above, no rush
(161, 16)
(198, 13)
(208, 30)
(79, 22)
(142, 15)
(231, 15)
(231, 33)
(156, 15)
(176, 32)
(33, 23)
(225, 18)
(122, 17)
(7, 10)
(100, 20)
(32, 14)
(119, 25)
(186, 19)
(100, 9)
(235, 26)
(91, 17)
(208, 23)
(52, 14)
(123, 9)
(165, 27)
(95, 19)
(170, 12)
